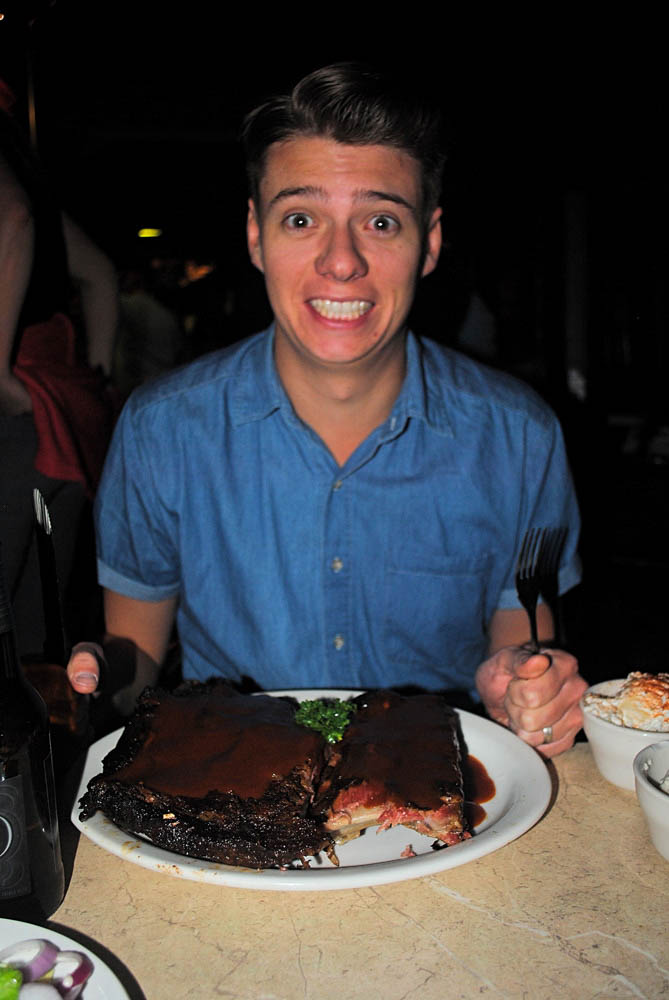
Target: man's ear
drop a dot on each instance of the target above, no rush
(253, 236)
(432, 243)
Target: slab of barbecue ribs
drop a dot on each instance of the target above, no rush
(209, 773)
(398, 763)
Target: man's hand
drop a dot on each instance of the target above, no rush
(120, 671)
(134, 647)
(528, 692)
(84, 667)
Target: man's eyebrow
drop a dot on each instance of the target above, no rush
(396, 199)
(304, 190)
(313, 191)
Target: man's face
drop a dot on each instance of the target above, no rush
(337, 235)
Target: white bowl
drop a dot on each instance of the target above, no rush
(615, 747)
(653, 763)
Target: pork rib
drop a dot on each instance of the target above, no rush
(398, 763)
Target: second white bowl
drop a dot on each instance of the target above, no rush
(650, 767)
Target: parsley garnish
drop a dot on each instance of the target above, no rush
(330, 716)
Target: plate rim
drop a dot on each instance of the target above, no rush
(524, 809)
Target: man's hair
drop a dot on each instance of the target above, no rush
(353, 104)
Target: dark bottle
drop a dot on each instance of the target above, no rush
(31, 866)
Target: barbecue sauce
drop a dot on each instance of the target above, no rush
(235, 743)
(479, 788)
(419, 764)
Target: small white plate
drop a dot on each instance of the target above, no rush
(522, 793)
(102, 985)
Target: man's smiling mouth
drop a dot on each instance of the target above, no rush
(333, 309)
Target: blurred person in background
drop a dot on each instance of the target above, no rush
(150, 337)
(56, 415)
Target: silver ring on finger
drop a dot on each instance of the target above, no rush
(548, 734)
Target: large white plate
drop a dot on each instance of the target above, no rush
(523, 790)
(102, 985)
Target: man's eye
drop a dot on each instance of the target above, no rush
(384, 223)
(297, 220)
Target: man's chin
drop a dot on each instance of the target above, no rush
(341, 349)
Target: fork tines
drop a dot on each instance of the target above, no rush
(530, 550)
(537, 572)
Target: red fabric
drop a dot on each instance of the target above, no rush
(7, 98)
(73, 414)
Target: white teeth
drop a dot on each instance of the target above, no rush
(332, 309)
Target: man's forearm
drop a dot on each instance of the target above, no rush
(129, 671)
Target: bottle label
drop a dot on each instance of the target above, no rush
(14, 857)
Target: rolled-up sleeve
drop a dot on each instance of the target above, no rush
(136, 532)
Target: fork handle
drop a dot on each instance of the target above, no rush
(533, 644)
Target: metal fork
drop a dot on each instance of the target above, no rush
(549, 565)
(536, 572)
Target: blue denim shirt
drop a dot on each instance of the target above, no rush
(297, 572)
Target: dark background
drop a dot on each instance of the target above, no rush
(555, 215)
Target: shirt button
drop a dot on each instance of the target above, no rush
(338, 641)
(337, 485)
(336, 564)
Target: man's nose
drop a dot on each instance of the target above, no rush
(341, 258)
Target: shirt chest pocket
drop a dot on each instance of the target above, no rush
(435, 614)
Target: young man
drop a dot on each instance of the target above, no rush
(334, 503)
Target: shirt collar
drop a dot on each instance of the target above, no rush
(258, 393)
(418, 397)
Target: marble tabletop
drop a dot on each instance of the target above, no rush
(577, 907)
